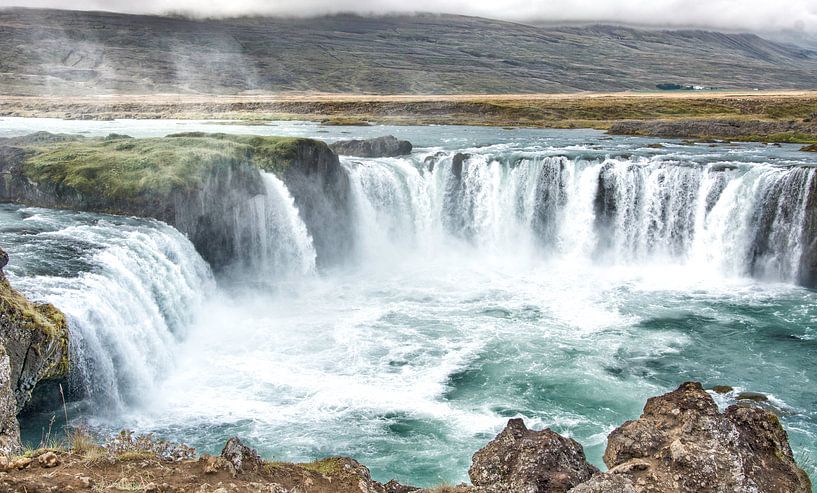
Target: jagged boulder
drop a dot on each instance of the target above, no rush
(520, 460)
(241, 457)
(33, 347)
(386, 146)
(682, 443)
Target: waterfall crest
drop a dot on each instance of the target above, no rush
(743, 219)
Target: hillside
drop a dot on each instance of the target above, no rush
(70, 52)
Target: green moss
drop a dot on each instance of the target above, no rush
(130, 168)
(328, 467)
(43, 317)
(273, 154)
(118, 167)
(17, 309)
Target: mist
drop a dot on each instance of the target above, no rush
(749, 15)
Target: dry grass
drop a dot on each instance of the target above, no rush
(444, 488)
(594, 110)
(122, 484)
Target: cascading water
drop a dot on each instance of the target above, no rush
(272, 240)
(138, 284)
(129, 287)
(744, 220)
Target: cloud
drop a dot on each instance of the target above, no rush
(753, 15)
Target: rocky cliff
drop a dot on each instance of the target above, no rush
(194, 181)
(33, 348)
(386, 146)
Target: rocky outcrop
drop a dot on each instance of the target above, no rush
(683, 444)
(241, 457)
(199, 183)
(387, 146)
(520, 460)
(9, 427)
(322, 193)
(680, 444)
(33, 347)
(807, 273)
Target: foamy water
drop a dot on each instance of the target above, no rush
(507, 291)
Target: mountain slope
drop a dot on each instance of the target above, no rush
(71, 52)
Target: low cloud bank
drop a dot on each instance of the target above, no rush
(752, 15)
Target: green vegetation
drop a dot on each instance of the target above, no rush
(328, 467)
(44, 317)
(120, 167)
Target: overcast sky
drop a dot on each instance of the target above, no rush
(756, 15)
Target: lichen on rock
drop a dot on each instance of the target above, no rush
(682, 443)
(520, 460)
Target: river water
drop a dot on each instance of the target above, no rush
(559, 276)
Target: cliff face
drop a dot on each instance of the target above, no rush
(196, 182)
(33, 348)
(321, 190)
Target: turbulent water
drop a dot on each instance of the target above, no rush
(130, 288)
(272, 241)
(559, 276)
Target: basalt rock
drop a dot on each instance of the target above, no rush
(520, 460)
(33, 348)
(387, 146)
(241, 457)
(9, 427)
(682, 443)
(322, 193)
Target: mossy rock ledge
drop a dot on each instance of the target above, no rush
(33, 348)
(193, 181)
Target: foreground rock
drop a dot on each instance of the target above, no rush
(238, 469)
(520, 460)
(240, 457)
(682, 443)
(33, 348)
(388, 146)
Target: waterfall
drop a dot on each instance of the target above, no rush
(742, 219)
(272, 240)
(130, 289)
